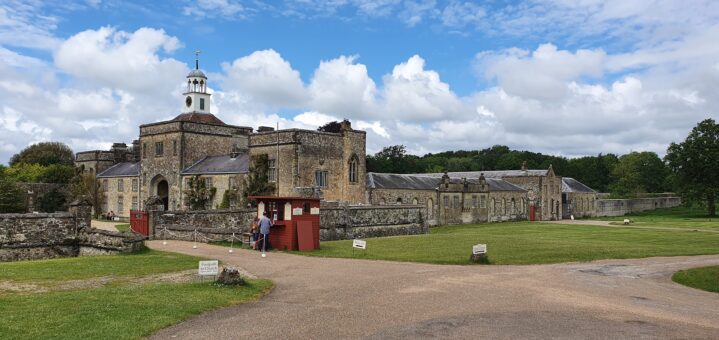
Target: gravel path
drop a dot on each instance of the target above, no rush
(320, 298)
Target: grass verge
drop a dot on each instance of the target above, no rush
(130, 303)
(122, 227)
(705, 278)
(527, 243)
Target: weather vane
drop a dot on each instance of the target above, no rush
(197, 59)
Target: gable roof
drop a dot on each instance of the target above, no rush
(421, 182)
(224, 164)
(123, 169)
(572, 185)
(488, 174)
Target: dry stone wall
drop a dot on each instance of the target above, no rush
(65, 234)
(349, 222)
(210, 225)
(619, 207)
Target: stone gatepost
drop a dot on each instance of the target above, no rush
(81, 209)
(154, 206)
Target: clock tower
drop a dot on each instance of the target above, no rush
(196, 99)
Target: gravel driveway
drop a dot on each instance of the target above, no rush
(319, 298)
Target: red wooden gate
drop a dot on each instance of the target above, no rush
(138, 222)
(531, 213)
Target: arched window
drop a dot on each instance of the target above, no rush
(415, 201)
(202, 85)
(399, 200)
(430, 208)
(382, 202)
(514, 208)
(492, 207)
(353, 169)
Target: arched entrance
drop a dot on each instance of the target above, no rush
(160, 188)
(162, 192)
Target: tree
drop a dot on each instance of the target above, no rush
(257, 182)
(333, 126)
(86, 185)
(197, 195)
(52, 201)
(26, 172)
(58, 173)
(11, 196)
(45, 154)
(694, 164)
(639, 172)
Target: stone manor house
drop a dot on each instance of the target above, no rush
(305, 163)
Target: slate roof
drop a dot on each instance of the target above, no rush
(488, 174)
(123, 169)
(572, 185)
(422, 182)
(220, 165)
(203, 118)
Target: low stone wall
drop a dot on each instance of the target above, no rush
(211, 225)
(620, 207)
(65, 234)
(349, 222)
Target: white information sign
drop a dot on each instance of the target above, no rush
(315, 211)
(209, 268)
(359, 244)
(479, 249)
(297, 211)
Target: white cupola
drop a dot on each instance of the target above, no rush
(196, 98)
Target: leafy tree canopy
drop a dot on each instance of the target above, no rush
(45, 154)
(257, 180)
(333, 126)
(694, 165)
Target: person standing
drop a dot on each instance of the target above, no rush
(265, 225)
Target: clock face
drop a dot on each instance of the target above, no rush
(188, 101)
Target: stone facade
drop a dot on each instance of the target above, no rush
(221, 182)
(619, 207)
(544, 193)
(167, 148)
(426, 198)
(42, 236)
(579, 204)
(334, 162)
(121, 195)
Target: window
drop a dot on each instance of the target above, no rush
(202, 103)
(474, 201)
(272, 170)
(174, 147)
(120, 205)
(456, 202)
(514, 208)
(104, 184)
(144, 150)
(415, 201)
(321, 178)
(506, 207)
(233, 182)
(120, 185)
(134, 203)
(134, 185)
(399, 200)
(446, 202)
(104, 203)
(208, 182)
(482, 201)
(353, 170)
(159, 149)
(306, 207)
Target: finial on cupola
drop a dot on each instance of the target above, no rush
(197, 59)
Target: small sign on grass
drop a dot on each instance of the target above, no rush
(359, 244)
(479, 249)
(209, 268)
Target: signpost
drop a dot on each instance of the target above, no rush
(479, 249)
(359, 244)
(208, 268)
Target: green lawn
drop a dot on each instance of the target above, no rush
(678, 217)
(122, 227)
(125, 306)
(527, 243)
(705, 278)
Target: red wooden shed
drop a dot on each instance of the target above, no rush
(296, 221)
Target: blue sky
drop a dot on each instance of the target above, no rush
(561, 77)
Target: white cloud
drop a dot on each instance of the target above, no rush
(215, 8)
(266, 77)
(342, 87)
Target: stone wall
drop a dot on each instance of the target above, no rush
(619, 207)
(43, 236)
(349, 222)
(211, 225)
(426, 198)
